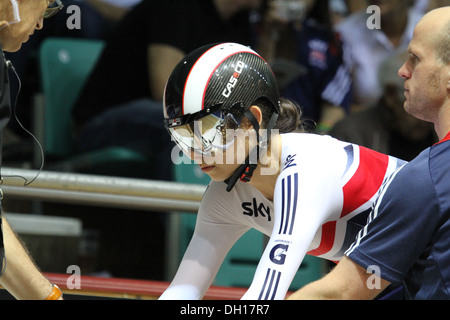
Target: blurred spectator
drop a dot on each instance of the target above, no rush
(365, 49)
(99, 17)
(112, 9)
(386, 127)
(342, 8)
(421, 5)
(338, 10)
(298, 40)
(18, 273)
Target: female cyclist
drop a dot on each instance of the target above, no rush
(223, 109)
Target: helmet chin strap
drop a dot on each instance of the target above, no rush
(245, 171)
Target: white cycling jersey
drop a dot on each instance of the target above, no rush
(322, 196)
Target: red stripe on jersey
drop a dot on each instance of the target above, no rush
(327, 240)
(446, 138)
(366, 181)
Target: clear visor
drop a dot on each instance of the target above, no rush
(212, 133)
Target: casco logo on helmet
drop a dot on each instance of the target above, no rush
(233, 79)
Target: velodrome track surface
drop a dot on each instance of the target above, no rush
(117, 288)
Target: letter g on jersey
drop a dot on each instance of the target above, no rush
(278, 253)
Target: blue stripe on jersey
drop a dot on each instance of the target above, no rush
(350, 157)
(294, 205)
(289, 192)
(270, 285)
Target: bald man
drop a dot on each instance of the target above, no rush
(19, 19)
(407, 239)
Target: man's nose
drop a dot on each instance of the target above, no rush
(403, 72)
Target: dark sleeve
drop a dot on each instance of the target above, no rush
(401, 224)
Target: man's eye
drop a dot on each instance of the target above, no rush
(414, 59)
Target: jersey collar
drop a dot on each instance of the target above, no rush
(446, 138)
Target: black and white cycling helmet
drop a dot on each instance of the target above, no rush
(211, 89)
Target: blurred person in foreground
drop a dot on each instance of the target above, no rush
(19, 20)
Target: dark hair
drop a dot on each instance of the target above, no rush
(289, 118)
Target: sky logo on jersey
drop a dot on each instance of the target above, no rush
(253, 209)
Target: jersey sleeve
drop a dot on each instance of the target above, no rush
(214, 235)
(303, 202)
(401, 224)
